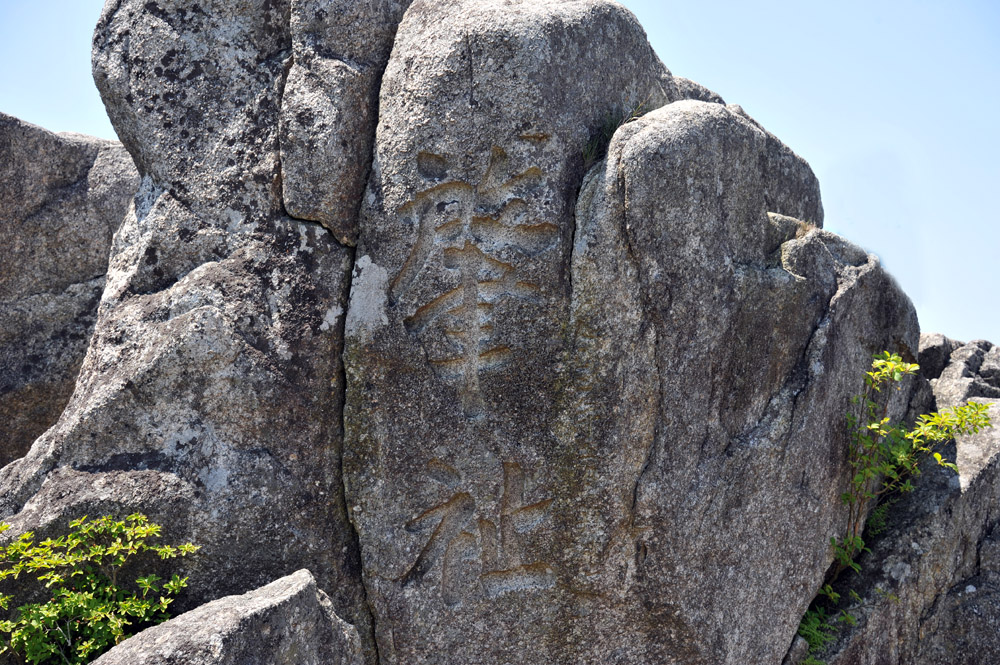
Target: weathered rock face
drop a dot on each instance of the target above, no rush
(929, 583)
(194, 87)
(560, 407)
(211, 395)
(330, 106)
(61, 198)
(288, 622)
(963, 627)
(581, 415)
(460, 295)
(713, 368)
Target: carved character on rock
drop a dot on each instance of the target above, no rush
(468, 226)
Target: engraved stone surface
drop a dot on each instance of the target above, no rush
(461, 293)
(469, 226)
(479, 555)
(61, 198)
(546, 393)
(694, 328)
(554, 408)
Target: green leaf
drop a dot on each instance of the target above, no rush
(87, 613)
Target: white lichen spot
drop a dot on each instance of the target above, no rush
(214, 479)
(235, 220)
(304, 245)
(898, 570)
(369, 295)
(330, 320)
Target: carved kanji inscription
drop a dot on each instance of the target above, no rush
(475, 550)
(464, 227)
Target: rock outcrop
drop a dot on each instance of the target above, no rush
(211, 395)
(288, 622)
(560, 406)
(389, 306)
(61, 198)
(930, 584)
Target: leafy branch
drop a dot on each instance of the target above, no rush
(884, 458)
(88, 611)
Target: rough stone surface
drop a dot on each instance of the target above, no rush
(964, 625)
(330, 106)
(461, 277)
(713, 349)
(288, 622)
(934, 355)
(570, 415)
(930, 581)
(61, 198)
(194, 87)
(972, 372)
(215, 364)
(562, 405)
(798, 652)
(688, 89)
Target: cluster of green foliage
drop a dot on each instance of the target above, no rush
(89, 611)
(878, 518)
(884, 458)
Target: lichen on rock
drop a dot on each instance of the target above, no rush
(527, 349)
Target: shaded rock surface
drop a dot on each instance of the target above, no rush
(930, 582)
(560, 404)
(61, 198)
(210, 397)
(963, 627)
(288, 622)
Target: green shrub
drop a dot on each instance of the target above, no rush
(884, 459)
(878, 519)
(817, 629)
(89, 610)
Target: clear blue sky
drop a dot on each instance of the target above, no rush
(896, 105)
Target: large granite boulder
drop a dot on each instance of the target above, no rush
(606, 423)
(485, 112)
(211, 394)
(929, 585)
(715, 345)
(61, 198)
(288, 622)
